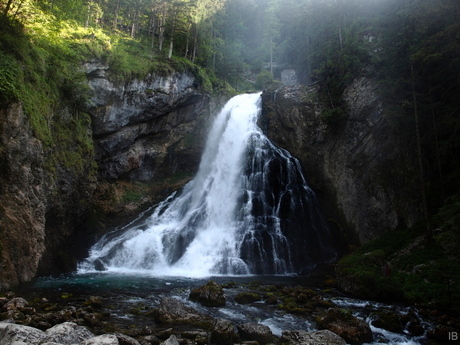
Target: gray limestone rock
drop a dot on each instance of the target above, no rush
(256, 332)
(16, 334)
(323, 337)
(68, 333)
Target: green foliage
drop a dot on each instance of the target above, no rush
(129, 58)
(448, 216)
(404, 266)
(10, 77)
(263, 79)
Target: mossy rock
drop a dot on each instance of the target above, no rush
(247, 297)
(209, 295)
(391, 321)
(271, 299)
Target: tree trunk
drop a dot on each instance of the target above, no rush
(195, 42)
(18, 9)
(271, 54)
(115, 16)
(173, 32)
(436, 140)
(88, 15)
(340, 38)
(7, 8)
(429, 233)
(171, 46)
(186, 45)
(153, 28)
(162, 30)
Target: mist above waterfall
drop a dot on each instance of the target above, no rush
(249, 210)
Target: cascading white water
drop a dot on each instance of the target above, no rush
(241, 214)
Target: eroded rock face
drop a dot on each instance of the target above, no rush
(362, 171)
(141, 127)
(22, 198)
(43, 197)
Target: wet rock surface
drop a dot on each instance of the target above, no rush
(209, 295)
(359, 162)
(167, 316)
(55, 192)
(172, 310)
(350, 328)
(139, 126)
(311, 338)
(257, 332)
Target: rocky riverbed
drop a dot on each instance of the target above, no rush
(131, 310)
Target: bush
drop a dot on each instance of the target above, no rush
(264, 78)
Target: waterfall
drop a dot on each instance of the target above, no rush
(249, 210)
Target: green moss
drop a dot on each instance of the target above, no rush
(403, 266)
(247, 297)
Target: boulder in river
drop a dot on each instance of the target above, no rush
(111, 339)
(68, 333)
(11, 333)
(256, 331)
(324, 337)
(247, 297)
(209, 295)
(173, 311)
(172, 340)
(223, 332)
(350, 328)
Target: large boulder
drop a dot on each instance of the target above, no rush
(11, 333)
(111, 339)
(256, 331)
(323, 337)
(209, 295)
(68, 333)
(16, 303)
(223, 332)
(173, 311)
(349, 327)
(247, 297)
(172, 340)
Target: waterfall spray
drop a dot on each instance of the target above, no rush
(249, 210)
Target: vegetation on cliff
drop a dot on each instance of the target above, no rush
(405, 266)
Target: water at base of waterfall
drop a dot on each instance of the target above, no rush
(248, 211)
(129, 296)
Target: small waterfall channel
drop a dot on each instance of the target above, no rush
(249, 210)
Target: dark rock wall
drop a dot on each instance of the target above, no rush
(140, 130)
(140, 125)
(362, 172)
(42, 197)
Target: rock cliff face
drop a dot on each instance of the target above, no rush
(143, 128)
(361, 170)
(42, 197)
(140, 130)
(22, 199)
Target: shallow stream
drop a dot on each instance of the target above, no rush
(128, 298)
